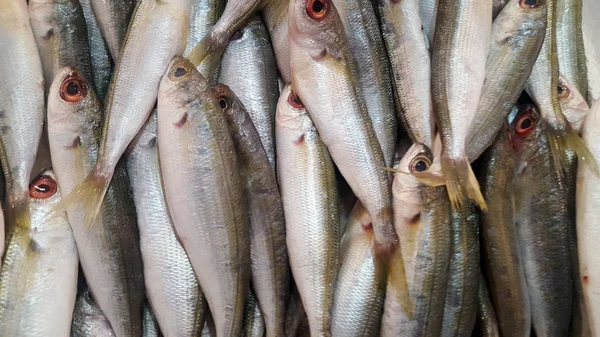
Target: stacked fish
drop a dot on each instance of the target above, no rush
(288, 168)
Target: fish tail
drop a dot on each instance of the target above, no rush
(461, 182)
(209, 50)
(563, 142)
(88, 196)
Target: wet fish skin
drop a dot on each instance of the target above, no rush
(458, 66)
(569, 43)
(252, 55)
(486, 315)
(310, 203)
(422, 221)
(460, 307)
(542, 224)
(254, 325)
(516, 38)
(150, 328)
(22, 106)
(410, 66)
(428, 14)
(269, 259)
(109, 250)
(203, 15)
(497, 7)
(171, 286)
(278, 27)
(38, 279)
(61, 35)
(500, 247)
(359, 294)
(216, 239)
(326, 83)
(572, 103)
(368, 52)
(88, 319)
(114, 17)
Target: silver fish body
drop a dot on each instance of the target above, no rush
(203, 15)
(428, 14)
(254, 325)
(88, 319)
(278, 28)
(150, 325)
(569, 43)
(113, 18)
(486, 315)
(171, 285)
(216, 239)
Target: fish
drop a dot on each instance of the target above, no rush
(486, 315)
(572, 103)
(359, 294)
(295, 312)
(324, 80)
(458, 71)
(498, 6)
(460, 307)
(109, 250)
(516, 39)
(372, 70)
(147, 50)
(171, 286)
(38, 279)
(587, 222)
(500, 241)
(88, 319)
(541, 87)
(569, 43)
(216, 239)
(278, 26)
(61, 36)
(428, 15)
(423, 223)
(411, 67)
(23, 110)
(269, 259)
(250, 53)
(114, 18)
(99, 54)
(150, 328)
(254, 325)
(203, 15)
(311, 207)
(589, 26)
(542, 223)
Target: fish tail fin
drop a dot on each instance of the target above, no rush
(392, 275)
(461, 182)
(88, 196)
(209, 50)
(561, 143)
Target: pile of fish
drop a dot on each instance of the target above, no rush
(287, 168)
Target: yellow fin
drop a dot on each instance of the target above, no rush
(561, 142)
(208, 50)
(391, 274)
(461, 182)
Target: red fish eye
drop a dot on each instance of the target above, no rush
(43, 187)
(317, 9)
(73, 89)
(525, 125)
(295, 101)
(531, 3)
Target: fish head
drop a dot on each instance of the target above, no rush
(74, 110)
(573, 104)
(526, 128)
(291, 112)
(230, 105)
(146, 138)
(43, 196)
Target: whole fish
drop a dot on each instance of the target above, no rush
(500, 246)
(428, 14)
(254, 325)
(99, 54)
(572, 103)
(588, 222)
(278, 27)
(113, 18)
(250, 53)
(203, 15)
(22, 117)
(109, 249)
(569, 43)
(310, 203)
(269, 260)
(460, 307)
(517, 36)
(216, 239)
(61, 35)
(422, 221)
(38, 280)
(88, 319)
(486, 315)
(171, 286)
(147, 50)
(411, 67)
(458, 67)
(359, 294)
(541, 87)
(542, 224)
(497, 7)
(372, 70)
(325, 81)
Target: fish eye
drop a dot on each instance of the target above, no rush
(223, 102)
(317, 9)
(43, 187)
(179, 72)
(525, 124)
(73, 89)
(295, 101)
(419, 164)
(531, 3)
(562, 90)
